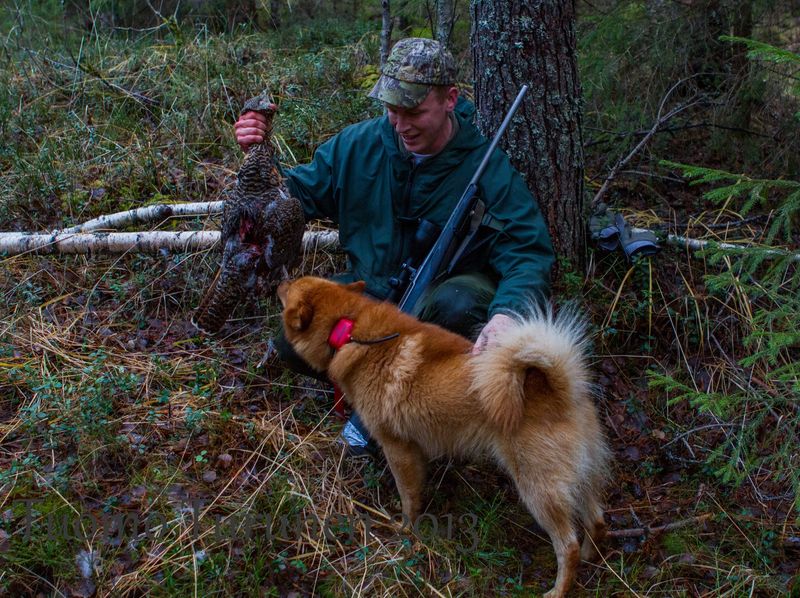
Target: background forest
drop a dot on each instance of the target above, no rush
(111, 404)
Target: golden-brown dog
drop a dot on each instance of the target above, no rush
(524, 402)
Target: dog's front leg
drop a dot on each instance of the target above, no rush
(407, 463)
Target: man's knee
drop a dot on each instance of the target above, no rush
(460, 304)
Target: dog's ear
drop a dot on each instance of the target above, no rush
(298, 317)
(283, 290)
(356, 287)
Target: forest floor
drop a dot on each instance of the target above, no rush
(140, 457)
(113, 404)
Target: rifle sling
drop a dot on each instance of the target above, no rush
(480, 217)
(491, 222)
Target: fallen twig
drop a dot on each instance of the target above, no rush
(94, 72)
(648, 529)
(661, 119)
(697, 429)
(722, 225)
(672, 129)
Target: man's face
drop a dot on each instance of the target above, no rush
(426, 128)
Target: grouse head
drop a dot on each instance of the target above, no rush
(263, 104)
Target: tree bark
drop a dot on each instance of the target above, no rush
(445, 15)
(534, 42)
(386, 30)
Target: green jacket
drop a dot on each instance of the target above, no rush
(363, 180)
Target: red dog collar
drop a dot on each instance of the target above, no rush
(341, 333)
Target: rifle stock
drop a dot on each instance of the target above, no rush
(446, 244)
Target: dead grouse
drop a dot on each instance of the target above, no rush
(262, 231)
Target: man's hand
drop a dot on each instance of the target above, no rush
(250, 128)
(488, 335)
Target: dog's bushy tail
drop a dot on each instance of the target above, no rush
(546, 352)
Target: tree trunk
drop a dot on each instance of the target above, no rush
(534, 42)
(445, 13)
(386, 30)
(741, 25)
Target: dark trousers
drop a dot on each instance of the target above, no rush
(459, 304)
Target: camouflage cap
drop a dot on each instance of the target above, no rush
(413, 67)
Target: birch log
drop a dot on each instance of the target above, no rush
(154, 241)
(141, 242)
(146, 214)
(689, 243)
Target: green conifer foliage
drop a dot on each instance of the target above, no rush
(759, 409)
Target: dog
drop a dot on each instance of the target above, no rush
(525, 402)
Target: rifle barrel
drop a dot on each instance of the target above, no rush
(496, 139)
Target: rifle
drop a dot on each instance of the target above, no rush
(413, 281)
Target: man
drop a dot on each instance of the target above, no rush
(380, 178)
